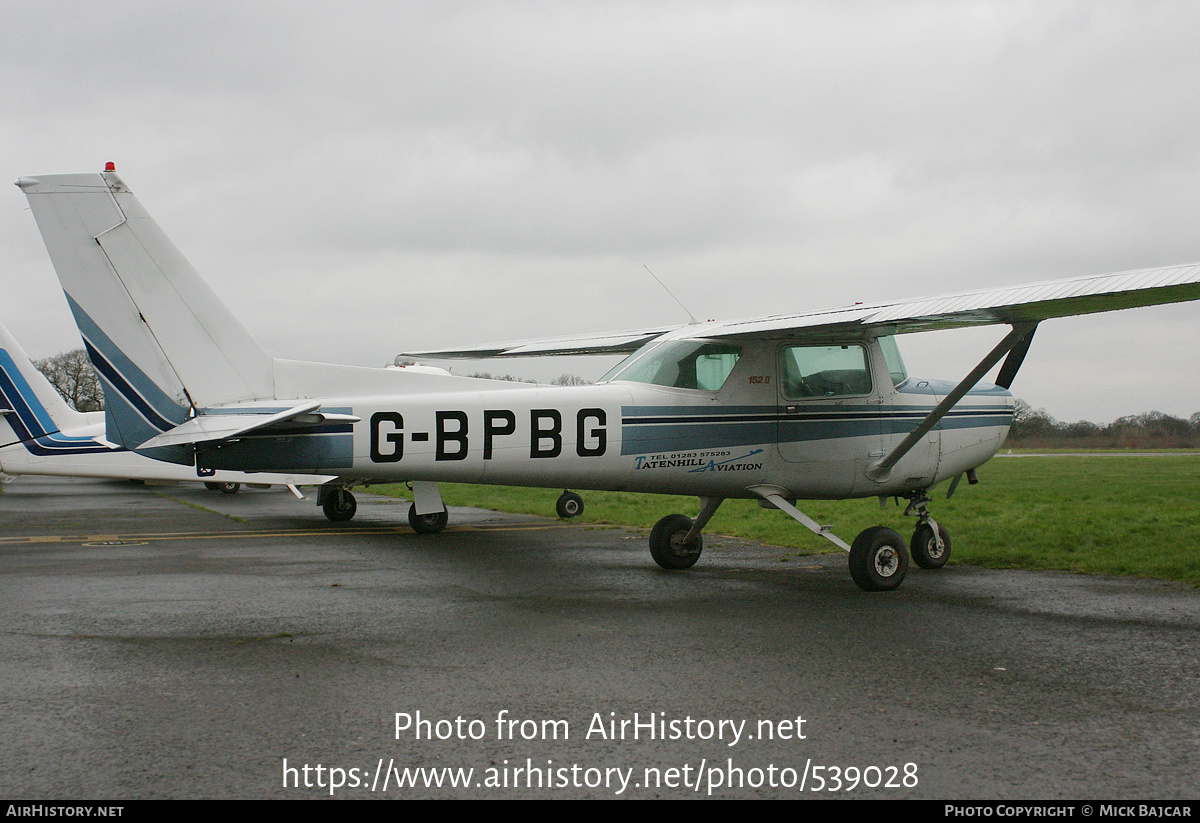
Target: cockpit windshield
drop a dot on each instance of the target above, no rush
(891, 356)
(683, 364)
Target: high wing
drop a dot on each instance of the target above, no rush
(1028, 303)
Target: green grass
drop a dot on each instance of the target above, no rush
(1117, 515)
(1113, 452)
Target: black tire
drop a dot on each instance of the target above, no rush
(667, 546)
(878, 559)
(569, 505)
(230, 488)
(339, 505)
(924, 548)
(427, 523)
(213, 487)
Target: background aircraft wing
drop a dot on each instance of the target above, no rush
(619, 342)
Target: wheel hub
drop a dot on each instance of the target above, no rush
(885, 562)
(933, 549)
(680, 548)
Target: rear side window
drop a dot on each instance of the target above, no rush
(687, 364)
(825, 371)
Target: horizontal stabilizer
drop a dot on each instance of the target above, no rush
(230, 422)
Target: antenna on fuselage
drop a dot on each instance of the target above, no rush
(691, 316)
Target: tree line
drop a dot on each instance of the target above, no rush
(1034, 428)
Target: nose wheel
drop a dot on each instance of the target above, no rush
(930, 543)
(930, 549)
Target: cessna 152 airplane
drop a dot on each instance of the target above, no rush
(40, 434)
(778, 409)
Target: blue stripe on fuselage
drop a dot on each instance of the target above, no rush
(647, 429)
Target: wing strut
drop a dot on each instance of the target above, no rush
(1021, 331)
(1014, 360)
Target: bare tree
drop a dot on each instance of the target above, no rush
(512, 378)
(71, 374)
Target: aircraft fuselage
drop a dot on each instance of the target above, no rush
(635, 436)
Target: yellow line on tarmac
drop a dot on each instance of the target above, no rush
(147, 537)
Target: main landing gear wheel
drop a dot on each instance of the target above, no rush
(569, 505)
(878, 559)
(925, 551)
(667, 546)
(427, 523)
(339, 505)
(223, 488)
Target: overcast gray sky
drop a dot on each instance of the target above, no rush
(359, 178)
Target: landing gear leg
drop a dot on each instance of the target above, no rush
(930, 543)
(878, 558)
(675, 541)
(428, 500)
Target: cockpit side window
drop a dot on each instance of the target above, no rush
(825, 371)
(686, 364)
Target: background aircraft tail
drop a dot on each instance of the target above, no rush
(162, 342)
(35, 417)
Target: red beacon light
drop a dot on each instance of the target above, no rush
(110, 166)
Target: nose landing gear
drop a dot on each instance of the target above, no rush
(930, 545)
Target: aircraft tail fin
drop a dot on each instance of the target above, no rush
(34, 419)
(29, 403)
(164, 345)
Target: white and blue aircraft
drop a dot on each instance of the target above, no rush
(816, 405)
(41, 435)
